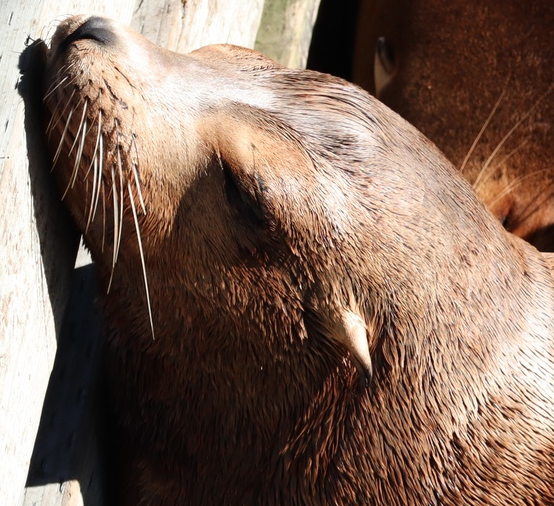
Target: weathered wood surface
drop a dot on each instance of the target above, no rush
(35, 262)
(282, 29)
(66, 467)
(286, 30)
(183, 27)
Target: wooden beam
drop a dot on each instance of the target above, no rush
(184, 26)
(286, 30)
(37, 243)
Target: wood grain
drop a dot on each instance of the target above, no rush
(37, 243)
(286, 30)
(184, 26)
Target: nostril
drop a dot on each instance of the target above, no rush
(94, 28)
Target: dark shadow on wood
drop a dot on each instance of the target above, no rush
(72, 440)
(59, 238)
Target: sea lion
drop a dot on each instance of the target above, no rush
(304, 302)
(477, 79)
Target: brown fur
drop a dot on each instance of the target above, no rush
(453, 61)
(298, 236)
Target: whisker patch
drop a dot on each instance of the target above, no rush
(507, 136)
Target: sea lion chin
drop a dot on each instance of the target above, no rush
(304, 302)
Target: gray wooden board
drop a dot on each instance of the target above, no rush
(37, 242)
(66, 460)
(286, 30)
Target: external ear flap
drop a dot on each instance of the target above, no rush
(351, 331)
(384, 64)
(346, 326)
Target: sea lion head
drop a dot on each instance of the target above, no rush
(162, 157)
(254, 187)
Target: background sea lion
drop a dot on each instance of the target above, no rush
(304, 302)
(477, 79)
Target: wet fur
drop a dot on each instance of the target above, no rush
(282, 214)
(477, 79)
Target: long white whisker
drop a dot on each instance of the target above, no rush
(59, 82)
(115, 226)
(500, 163)
(139, 191)
(62, 139)
(136, 176)
(100, 172)
(96, 173)
(53, 123)
(118, 209)
(80, 125)
(81, 132)
(93, 194)
(483, 128)
(55, 85)
(121, 188)
(145, 277)
(103, 219)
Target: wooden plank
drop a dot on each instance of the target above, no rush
(66, 466)
(37, 244)
(184, 26)
(286, 30)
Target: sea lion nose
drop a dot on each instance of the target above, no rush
(94, 28)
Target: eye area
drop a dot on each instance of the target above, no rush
(258, 235)
(246, 204)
